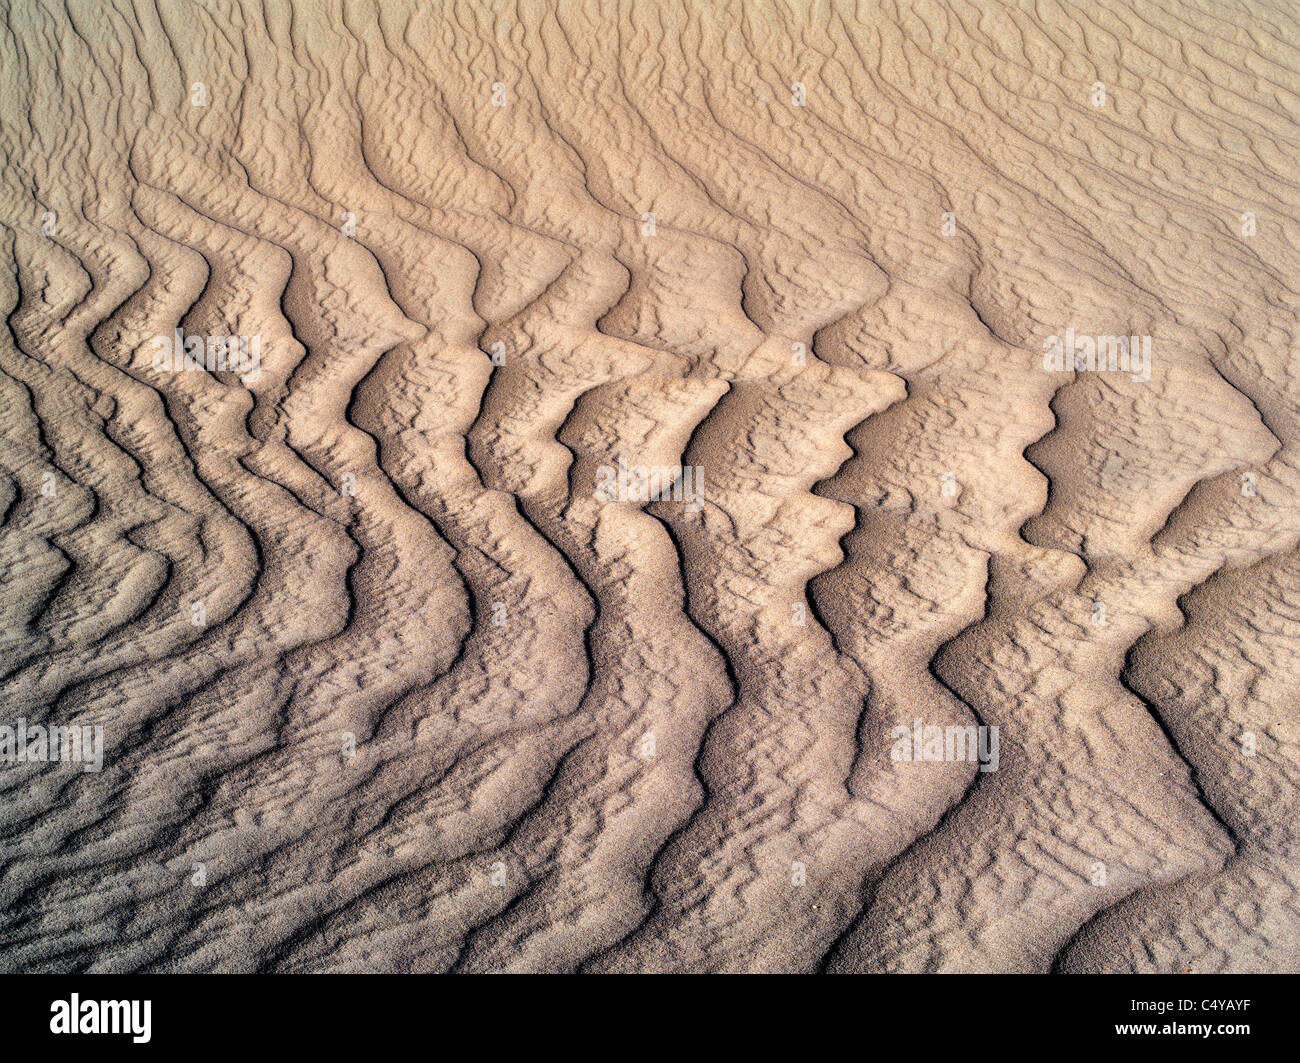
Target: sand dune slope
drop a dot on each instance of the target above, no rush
(645, 527)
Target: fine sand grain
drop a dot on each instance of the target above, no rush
(694, 486)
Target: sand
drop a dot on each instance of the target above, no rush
(653, 487)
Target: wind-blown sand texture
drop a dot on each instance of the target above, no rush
(387, 681)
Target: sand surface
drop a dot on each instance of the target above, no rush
(646, 440)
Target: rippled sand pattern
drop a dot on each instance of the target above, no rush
(387, 681)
